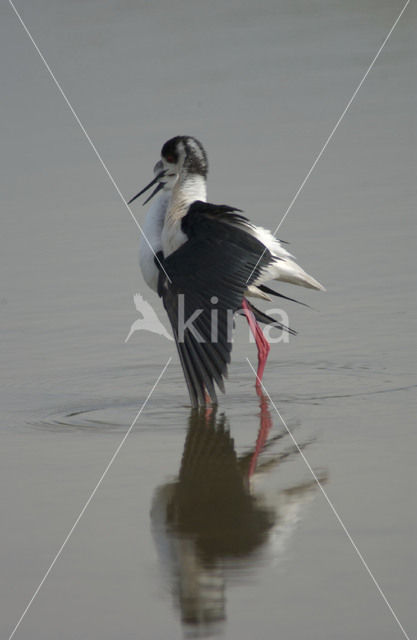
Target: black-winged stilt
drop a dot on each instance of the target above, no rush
(204, 260)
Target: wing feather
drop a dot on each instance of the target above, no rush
(208, 274)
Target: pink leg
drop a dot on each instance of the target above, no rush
(265, 424)
(261, 342)
(209, 406)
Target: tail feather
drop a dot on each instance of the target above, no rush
(290, 271)
(272, 292)
(261, 316)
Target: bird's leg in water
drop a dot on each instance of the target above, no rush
(262, 343)
(265, 424)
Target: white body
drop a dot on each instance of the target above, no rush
(284, 268)
(152, 231)
(162, 228)
(186, 191)
(193, 187)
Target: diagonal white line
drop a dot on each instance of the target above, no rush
(332, 507)
(94, 148)
(83, 510)
(333, 131)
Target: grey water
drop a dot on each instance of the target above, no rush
(211, 524)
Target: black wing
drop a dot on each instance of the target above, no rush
(208, 276)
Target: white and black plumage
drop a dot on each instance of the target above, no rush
(209, 258)
(215, 515)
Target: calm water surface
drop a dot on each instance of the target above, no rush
(208, 524)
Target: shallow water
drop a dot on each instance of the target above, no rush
(208, 525)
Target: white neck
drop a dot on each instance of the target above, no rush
(194, 187)
(187, 189)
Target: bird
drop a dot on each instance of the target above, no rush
(209, 522)
(204, 260)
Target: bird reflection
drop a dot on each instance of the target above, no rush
(212, 518)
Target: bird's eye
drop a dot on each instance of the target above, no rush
(170, 159)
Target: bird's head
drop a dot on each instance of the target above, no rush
(180, 154)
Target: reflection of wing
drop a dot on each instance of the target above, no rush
(289, 505)
(206, 516)
(198, 588)
(213, 231)
(213, 503)
(214, 512)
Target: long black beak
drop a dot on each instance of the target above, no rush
(159, 186)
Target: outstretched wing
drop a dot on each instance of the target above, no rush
(208, 276)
